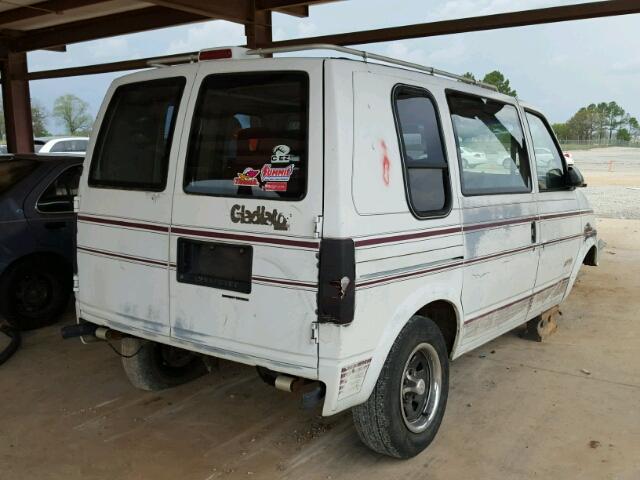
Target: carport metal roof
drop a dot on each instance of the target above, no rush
(27, 25)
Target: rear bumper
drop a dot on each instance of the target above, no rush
(85, 314)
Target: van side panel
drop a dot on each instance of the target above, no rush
(402, 262)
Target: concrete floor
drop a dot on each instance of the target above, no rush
(567, 408)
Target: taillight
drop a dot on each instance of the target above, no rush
(336, 289)
(215, 54)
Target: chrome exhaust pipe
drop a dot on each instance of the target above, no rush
(285, 383)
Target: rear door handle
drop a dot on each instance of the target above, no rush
(55, 225)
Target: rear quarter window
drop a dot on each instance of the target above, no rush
(134, 142)
(423, 154)
(249, 136)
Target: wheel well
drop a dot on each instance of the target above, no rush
(44, 257)
(444, 315)
(591, 258)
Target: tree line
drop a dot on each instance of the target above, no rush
(70, 113)
(605, 121)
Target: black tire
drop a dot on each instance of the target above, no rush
(380, 421)
(154, 366)
(34, 292)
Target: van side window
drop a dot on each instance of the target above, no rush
(249, 136)
(491, 148)
(549, 164)
(134, 142)
(425, 163)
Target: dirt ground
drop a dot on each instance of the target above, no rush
(566, 408)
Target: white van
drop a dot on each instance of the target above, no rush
(313, 217)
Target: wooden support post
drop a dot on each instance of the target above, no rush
(258, 28)
(17, 103)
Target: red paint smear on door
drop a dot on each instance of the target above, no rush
(386, 164)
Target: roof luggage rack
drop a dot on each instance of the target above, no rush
(366, 56)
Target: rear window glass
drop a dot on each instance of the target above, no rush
(249, 136)
(12, 171)
(134, 142)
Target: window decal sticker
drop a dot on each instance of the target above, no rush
(259, 216)
(275, 174)
(281, 154)
(275, 187)
(248, 178)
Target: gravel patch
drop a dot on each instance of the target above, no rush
(615, 201)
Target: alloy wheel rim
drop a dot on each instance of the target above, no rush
(421, 388)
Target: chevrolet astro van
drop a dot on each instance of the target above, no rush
(318, 218)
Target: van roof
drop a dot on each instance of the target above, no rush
(231, 53)
(234, 53)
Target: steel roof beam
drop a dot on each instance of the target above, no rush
(538, 16)
(133, 21)
(43, 8)
(233, 11)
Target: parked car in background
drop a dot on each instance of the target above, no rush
(471, 158)
(37, 237)
(544, 155)
(568, 157)
(62, 145)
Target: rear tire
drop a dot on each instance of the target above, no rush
(34, 292)
(153, 366)
(405, 409)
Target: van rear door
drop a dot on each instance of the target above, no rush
(125, 203)
(248, 199)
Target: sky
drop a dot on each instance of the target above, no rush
(557, 67)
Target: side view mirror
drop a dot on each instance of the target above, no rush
(574, 178)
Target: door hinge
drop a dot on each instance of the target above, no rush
(76, 283)
(315, 334)
(76, 204)
(317, 229)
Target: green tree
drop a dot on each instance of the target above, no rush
(73, 114)
(39, 116)
(498, 80)
(623, 135)
(615, 117)
(580, 126)
(634, 127)
(562, 130)
(470, 76)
